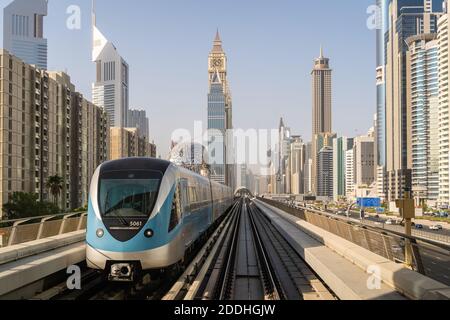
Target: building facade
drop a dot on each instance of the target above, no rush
(297, 165)
(217, 72)
(325, 172)
(284, 149)
(307, 171)
(44, 132)
(138, 119)
(364, 161)
(91, 124)
(23, 31)
(111, 87)
(444, 110)
(423, 116)
(340, 147)
(217, 130)
(349, 173)
(404, 18)
(128, 143)
(321, 108)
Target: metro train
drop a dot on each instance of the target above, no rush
(144, 214)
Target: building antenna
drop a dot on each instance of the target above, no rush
(94, 18)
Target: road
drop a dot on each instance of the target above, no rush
(435, 260)
(441, 235)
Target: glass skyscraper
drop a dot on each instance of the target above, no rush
(217, 130)
(402, 19)
(423, 68)
(23, 31)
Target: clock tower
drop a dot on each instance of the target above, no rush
(217, 64)
(217, 68)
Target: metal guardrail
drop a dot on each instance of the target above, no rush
(18, 231)
(415, 232)
(430, 259)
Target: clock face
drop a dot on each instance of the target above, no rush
(217, 63)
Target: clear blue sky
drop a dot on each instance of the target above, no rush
(270, 44)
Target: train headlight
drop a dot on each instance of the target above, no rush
(100, 233)
(149, 233)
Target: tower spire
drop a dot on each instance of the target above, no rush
(321, 51)
(217, 47)
(94, 18)
(218, 36)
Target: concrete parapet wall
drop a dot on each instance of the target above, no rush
(21, 251)
(405, 281)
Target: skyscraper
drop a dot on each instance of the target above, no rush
(340, 147)
(217, 129)
(307, 170)
(325, 172)
(349, 173)
(321, 79)
(444, 109)
(110, 89)
(364, 161)
(138, 119)
(320, 141)
(423, 116)
(382, 24)
(23, 31)
(404, 18)
(322, 100)
(218, 64)
(297, 165)
(283, 176)
(217, 75)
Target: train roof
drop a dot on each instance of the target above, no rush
(149, 164)
(136, 164)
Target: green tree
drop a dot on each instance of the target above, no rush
(27, 205)
(55, 184)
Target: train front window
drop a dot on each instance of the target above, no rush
(125, 194)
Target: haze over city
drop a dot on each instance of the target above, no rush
(271, 46)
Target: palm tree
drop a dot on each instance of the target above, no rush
(55, 184)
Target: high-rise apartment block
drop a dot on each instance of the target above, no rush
(47, 129)
(128, 143)
(422, 61)
(401, 19)
(444, 109)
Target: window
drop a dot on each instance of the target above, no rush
(128, 193)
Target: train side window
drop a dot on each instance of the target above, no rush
(184, 199)
(175, 215)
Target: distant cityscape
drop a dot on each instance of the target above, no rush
(408, 147)
(49, 129)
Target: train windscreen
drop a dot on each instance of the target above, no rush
(125, 194)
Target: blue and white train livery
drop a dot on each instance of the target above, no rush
(144, 214)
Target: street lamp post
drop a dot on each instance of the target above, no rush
(407, 212)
